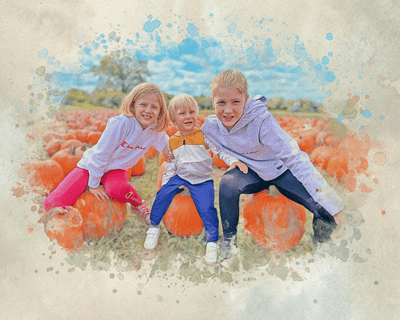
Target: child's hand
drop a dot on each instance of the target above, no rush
(242, 167)
(100, 193)
(167, 155)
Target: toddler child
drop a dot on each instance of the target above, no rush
(191, 167)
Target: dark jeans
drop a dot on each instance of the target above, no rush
(234, 183)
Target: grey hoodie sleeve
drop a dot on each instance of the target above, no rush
(228, 159)
(111, 138)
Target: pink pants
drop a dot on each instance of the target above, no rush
(74, 184)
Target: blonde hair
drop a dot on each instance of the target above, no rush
(145, 89)
(182, 100)
(229, 78)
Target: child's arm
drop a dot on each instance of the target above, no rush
(231, 161)
(111, 138)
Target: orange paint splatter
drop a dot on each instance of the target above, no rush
(383, 212)
(364, 188)
(18, 192)
(30, 229)
(380, 159)
(33, 208)
(376, 181)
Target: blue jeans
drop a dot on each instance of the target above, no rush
(203, 197)
(234, 183)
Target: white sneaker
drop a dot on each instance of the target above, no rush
(211, 253)
(152, 238)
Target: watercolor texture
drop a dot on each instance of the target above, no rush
(342, 55)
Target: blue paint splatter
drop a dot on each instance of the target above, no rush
(318, 67)
(340, 118)
(192, 30)
(231, 28)
(43, 53)
(169, 25)
(211, 15)
(31, 70)
(367, 114)
(150, 26)
(329, 76)
(362, 127)
(329, 36)
(330, 54)
(382, 117)
(325, 60)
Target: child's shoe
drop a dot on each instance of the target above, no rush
(152, 237)
(229, 255)
(142, 209)
(211, 253)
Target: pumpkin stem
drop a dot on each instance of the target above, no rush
(273, 191)
(49, 215)
(72, 151)
(185, 192)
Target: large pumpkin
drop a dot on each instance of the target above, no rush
(64, 226)
(100, 218)
(68, 158)
(275, 222)
(182, 218)
(45, 174)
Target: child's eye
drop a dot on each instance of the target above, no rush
(221, 102)
(192, 112)
(155, 107)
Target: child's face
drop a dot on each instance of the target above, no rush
(146, 110)
(185, 119)
(229, 103)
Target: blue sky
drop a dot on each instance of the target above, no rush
(190, 65)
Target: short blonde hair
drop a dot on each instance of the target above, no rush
(145, 89)
(182, 100)
(229, 78)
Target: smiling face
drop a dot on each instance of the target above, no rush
(146, 109)
(185, 119)
(229, 103)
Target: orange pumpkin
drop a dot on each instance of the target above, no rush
(140, 167)
(129, 173)
(338, 165)
(68, 159)
(182, 218)
(151, 152)
(69, 143)
(100, 218)
(321, 155)
(64, 226)
(161, 158)
(53, 146)
(45, 174)
(275, 222)
(161, 170)
(219, 162)
(93, 137)
(306, 140)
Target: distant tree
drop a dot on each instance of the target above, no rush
(119, 71)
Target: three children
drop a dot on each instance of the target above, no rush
(242, 133)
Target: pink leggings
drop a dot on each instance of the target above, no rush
(74, 184)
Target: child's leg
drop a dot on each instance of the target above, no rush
(323, 221)
(164, 198)
(203, 198)
(69, 190)
(233, 184)
(117, 187)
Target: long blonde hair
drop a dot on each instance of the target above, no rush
(145, 89)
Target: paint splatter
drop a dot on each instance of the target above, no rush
(379, 159)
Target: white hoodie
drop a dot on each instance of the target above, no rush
(258, 141)
(121, 145)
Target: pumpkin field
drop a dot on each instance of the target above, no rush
(109, 235)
